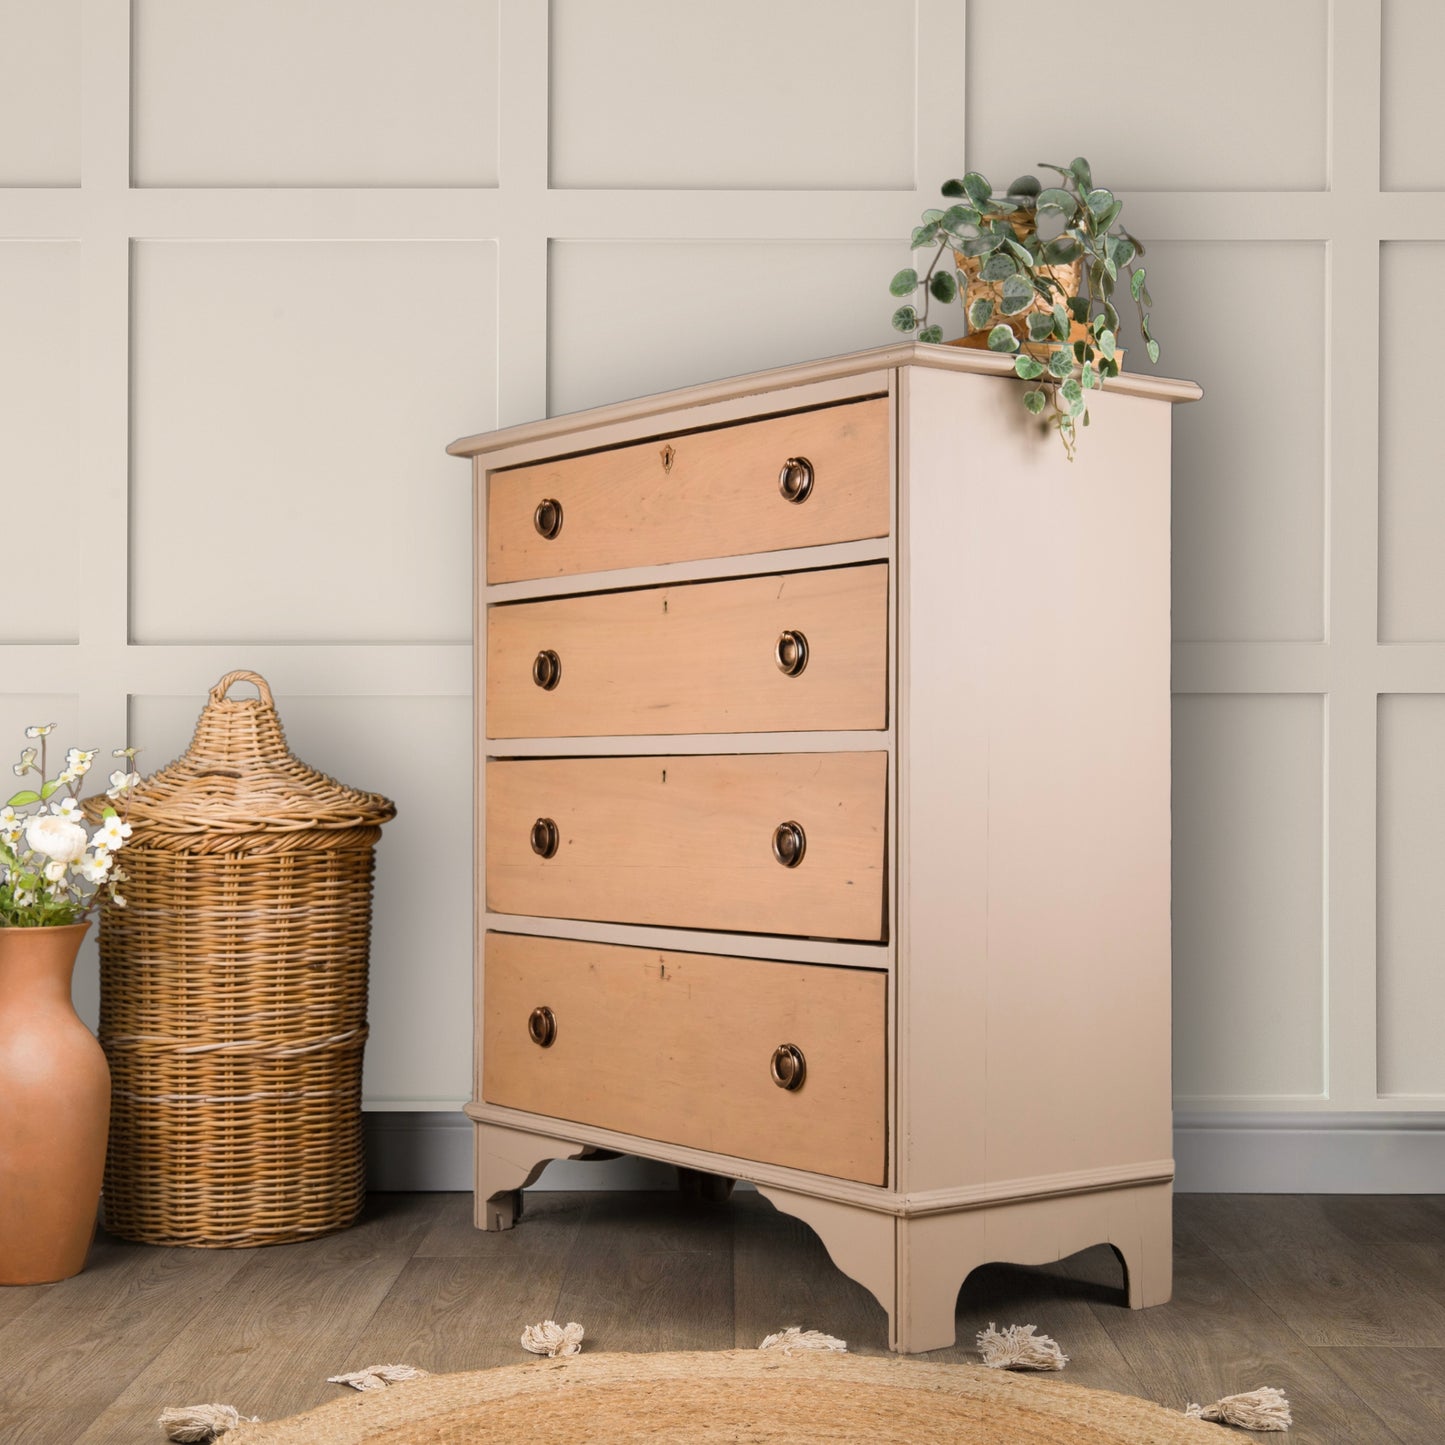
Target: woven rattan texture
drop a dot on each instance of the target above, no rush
(233, 992)
(1069, 276)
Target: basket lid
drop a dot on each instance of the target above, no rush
(238, 778)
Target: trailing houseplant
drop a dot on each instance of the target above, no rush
(53, 871)
(1035, 271)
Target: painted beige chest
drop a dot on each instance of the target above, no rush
(823, 760)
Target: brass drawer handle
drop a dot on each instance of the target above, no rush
(789, 844)
(542, 1027)
(790, 1068)
(545, 838)
(795, 481)
(546, 669)
(791, 653)
(547, 519)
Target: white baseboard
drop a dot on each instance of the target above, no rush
(1401, 1153)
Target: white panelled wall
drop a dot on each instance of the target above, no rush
(261, 261)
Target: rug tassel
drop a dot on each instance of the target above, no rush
(1018, 1348)
(1266, 1409)
(797, 1338)
(550, 1338)
(199, 1423)
(378, 1377)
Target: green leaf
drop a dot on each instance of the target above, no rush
(1108, 344)
(923, 236)
(1109, 368)
(1024, 186)
(1110, 269)
(1080, 350)
(903, 282)
(943, 287)
(956, 218)
(932, 216)
(954, 188)
(1017, 295)
(1035, 401)
(1023, 252)
(1152, 347)
(1041, 325)
(1122, 249)
(1061, 250)
(1061, 322)
(932, 334)
(977, 188)
(1144, 327)
(1002, 338)
(1136, 283)
(49, 790)
(26, 795)
(1058, 200)
(1110, 215)
(998, 267)
(1111, 317)
(1072, 394)
(1079, 168)
(984, 245)
(1090, 377)
(905, 319)
(1027, 367)
(1097, 201)
(1079, 309)
(979, 313)
(1061, 363)
(997, 207)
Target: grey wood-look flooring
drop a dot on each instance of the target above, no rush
(1339, 1301)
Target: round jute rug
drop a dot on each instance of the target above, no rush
(752, 1396)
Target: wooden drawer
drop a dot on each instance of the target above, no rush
(696, 658)
(678, 1047)
(700, 494)
(689, 841)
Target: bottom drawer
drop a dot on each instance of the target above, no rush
(684, 1047)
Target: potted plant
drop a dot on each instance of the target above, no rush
(55, 870)
(1035, 271)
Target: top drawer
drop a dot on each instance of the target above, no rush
(717, 493)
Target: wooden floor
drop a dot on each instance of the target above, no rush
(1339, 1301)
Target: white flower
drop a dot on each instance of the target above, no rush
(111, 834)
(69, 810)
(24, 899)
(56, 837)
(96, 866)
(78, 761)
(12, 825)
(27, 761)
(117, 900)
(55, 871)
(121, 782)
(39, 730)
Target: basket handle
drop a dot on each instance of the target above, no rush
(218, 693)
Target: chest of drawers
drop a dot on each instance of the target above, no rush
(823, 816)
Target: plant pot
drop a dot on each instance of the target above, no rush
(1069, 276)
(54, 1109)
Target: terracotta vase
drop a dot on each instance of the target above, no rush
(54, 1109)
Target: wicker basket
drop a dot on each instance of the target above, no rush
(1069, 275)
(233, 991)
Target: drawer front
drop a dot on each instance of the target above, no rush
(693, 842)
(696, 658)
(704, 494)
(679, 1047)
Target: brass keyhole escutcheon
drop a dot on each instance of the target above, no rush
(668, 456)
(791, 653)
(795, 481)
(546, 669)
(545, 838)
(789, 844)
(547, 519)
(790, 1068)
(542, 1027)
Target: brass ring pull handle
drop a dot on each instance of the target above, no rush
(546, 669)
(545, 838)
(789, 844)
(791, 653)
(542, 1027)
(795, 481)
(547, 519)
(790, 1068)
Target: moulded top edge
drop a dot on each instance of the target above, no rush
(859, 363)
